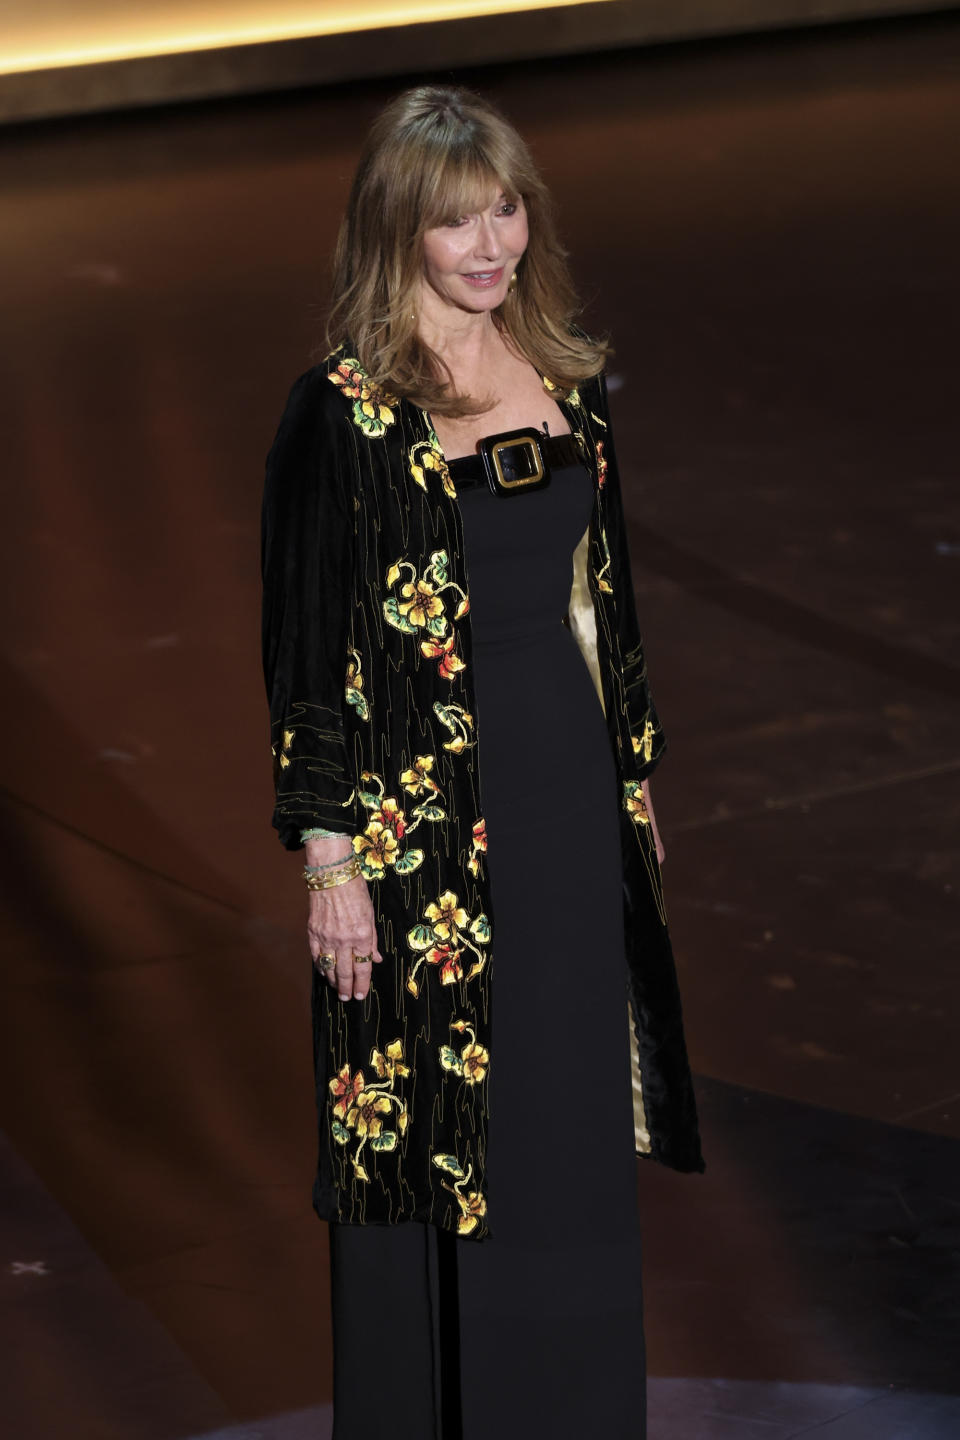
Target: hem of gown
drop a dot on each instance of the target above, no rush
(329, 1212)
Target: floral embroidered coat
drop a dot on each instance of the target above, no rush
(367, 657)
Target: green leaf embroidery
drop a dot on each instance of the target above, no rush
(439, 561)
(391, 613)
(450, 1060)
(451, 1164)
(480, 929)
(385, 1141)
(421, 937)
(444, 716)
(430, 812)
(412, 860)
(371, 425)
(437, 626)
(340, 1133)
(367, 800)
(358, 702)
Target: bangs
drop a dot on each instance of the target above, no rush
(464, 185)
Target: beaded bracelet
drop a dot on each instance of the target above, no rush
(330, 865)
(317, 832)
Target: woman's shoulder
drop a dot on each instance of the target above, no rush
(318, 393)
(592, 392)
(339, 390)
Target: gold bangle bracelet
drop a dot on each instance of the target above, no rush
(340, 876)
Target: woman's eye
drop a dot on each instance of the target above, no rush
(457, 220)
(508, 208)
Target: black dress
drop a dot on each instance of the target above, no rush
(538, 1329)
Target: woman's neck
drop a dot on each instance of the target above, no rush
(463, 341)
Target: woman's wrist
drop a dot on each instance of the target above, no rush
(328, 850)
(328, 878)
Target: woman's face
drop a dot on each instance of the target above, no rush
(469, 261)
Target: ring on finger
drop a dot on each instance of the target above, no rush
(363, 959)
(326, 962)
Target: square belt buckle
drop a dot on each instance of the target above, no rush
(514, 462)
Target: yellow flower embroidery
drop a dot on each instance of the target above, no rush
(354, 687)
(447, 915)
(389, 814)
(473, 1060)
(450, 661)
(460, 724)
(416, 780)
(345, 1088)
(427, 457)
(372, 410)
(422, 608)
(573, 396)
(443, 940)
(390, 1063)
(634, 803)
(472, 1205)
(644, 744)
(378, 845)
(478, 846)
(364, 1117)
(281, 757)
(359, 1106)
(420, 603)
(377, 848)
(447, 957)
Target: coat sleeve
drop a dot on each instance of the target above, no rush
(646, 732)
(307, 557)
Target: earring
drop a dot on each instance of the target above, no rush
(512, 285)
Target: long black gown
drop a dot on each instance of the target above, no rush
(539, 1328)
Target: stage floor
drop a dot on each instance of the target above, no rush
(770, 230)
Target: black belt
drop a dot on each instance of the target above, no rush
(515, 460)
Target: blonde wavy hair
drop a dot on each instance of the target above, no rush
(432, 154)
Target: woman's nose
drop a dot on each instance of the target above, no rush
(488, 245)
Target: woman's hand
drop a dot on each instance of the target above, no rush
(341, 923)
(648, 800)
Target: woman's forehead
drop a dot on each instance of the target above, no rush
(470, 194)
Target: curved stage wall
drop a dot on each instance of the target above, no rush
(67, 57)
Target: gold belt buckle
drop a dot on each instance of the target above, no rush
(514, 461)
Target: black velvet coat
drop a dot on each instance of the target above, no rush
(367, 656)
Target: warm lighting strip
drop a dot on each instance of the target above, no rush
(347, 17)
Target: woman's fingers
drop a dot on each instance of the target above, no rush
(344, 974)
(351, 974)
(342, 927)
(362, 971)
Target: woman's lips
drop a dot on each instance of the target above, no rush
(484, 279)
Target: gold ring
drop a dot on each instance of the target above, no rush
(326, 962)
(363, 959)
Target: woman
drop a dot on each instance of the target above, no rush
(430, 597)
